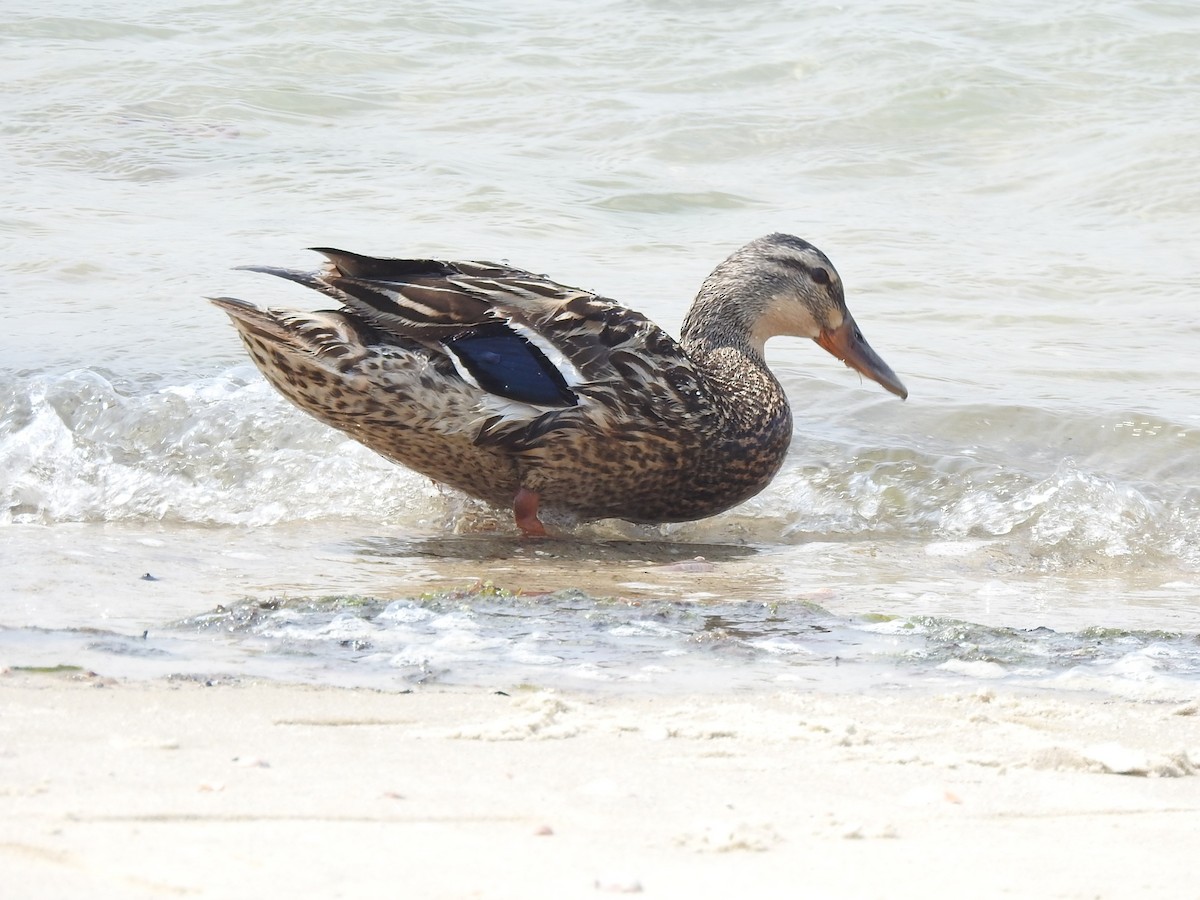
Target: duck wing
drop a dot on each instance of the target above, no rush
(515, 334)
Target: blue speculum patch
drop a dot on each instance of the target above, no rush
(504, 363)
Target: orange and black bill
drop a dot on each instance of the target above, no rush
(848, 344)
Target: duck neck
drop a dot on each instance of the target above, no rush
(720, 319)
(718, 335)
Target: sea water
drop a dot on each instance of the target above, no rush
(1008, 190)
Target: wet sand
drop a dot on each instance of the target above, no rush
(169, 788)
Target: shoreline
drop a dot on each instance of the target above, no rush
(173, 788)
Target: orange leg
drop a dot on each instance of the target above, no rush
(525, 511)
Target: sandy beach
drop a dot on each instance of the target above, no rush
(180, 788)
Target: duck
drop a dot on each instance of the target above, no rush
(541, 398)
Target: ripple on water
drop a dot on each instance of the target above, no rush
(488, 635)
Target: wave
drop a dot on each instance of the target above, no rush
(221, 450)
(227, 450)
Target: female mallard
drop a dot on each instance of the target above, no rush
(524, 392)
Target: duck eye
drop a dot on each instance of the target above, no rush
(819, 275)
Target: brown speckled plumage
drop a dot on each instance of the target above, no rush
(606, 416)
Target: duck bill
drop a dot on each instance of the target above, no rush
(847, 344)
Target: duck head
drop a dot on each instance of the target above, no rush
(782, 285)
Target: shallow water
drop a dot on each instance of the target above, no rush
(1007, 190)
